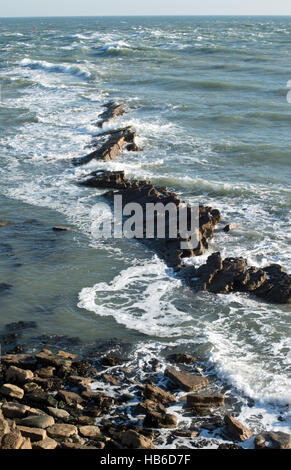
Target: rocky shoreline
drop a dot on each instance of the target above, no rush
(52, 399)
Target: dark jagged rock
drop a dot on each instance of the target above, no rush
(143, 193)
(110, 146)
(106, 179)
(112, 110)
(277, 287)
(180, 358)
(154, 419)
(233, 275)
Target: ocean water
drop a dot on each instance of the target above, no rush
(208, 99)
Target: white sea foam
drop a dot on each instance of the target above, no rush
(72, 69)
(115, 46)
(138, 298)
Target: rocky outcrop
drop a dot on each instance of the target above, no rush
(109, 146)
(106, 179)
(144, 193)
(234, 275)
(112, 110)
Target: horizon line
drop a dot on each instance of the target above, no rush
(145, 16)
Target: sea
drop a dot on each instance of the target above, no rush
(210, 100)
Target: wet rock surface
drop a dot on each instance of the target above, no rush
(234, 275)
(112, 110)
(66, 412)
(216, 275)
(110, 145)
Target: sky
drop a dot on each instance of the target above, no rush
(15, 8)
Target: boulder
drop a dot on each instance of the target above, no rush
(61, 431)
(109, 379)
(45, 444)
(58, 413)
(229, 227)
(233, 275)
(106, 179)
(23, 361)
(204, 401)
(158, 394)
(11, 391)
(70, 398)
(273, 440)
(15, 410)
(12, 440)
(133, 440)
(185, 381)
(42, 422)
(148, 406)
(154, 419)
(18, 376)
(207, 271)
(90, 432)
(81, 382)
(111, 361)
(47, 358)
(46, 372)
(236, 430)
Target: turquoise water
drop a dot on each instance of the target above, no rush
(208, 99)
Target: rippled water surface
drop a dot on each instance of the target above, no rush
(207, 97)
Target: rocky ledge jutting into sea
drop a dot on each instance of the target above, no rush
(270, 283)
